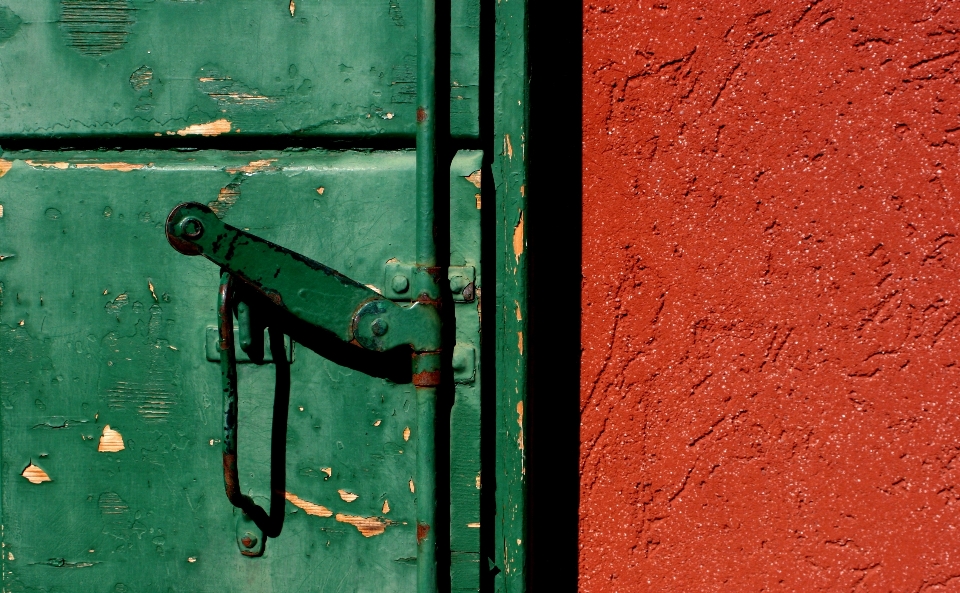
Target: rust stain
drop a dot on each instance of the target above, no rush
(421, 115)
(5, 166)
(507, 146)
(123, 167)
(347, 496)
(368, 526)
(253, 167)
(35, 475)
(308, 507)
(518, 238)
(293, 7)
(386, 507)
(111, 441)
(426, 379)
(474, 178)
(214, 128)
(422, 530)
(406, 433)
(48, 164)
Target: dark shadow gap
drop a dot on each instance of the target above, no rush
(554, 246)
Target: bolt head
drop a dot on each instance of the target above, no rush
(248, 540)
(400, 284)
(378, 327)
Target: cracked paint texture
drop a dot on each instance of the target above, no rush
(771, 328)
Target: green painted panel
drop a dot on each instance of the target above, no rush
(334, 68)
(103, 324)
(465, 471)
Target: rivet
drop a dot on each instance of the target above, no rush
(400, 284)
(379, 327)
(191, 228)
(248, 540)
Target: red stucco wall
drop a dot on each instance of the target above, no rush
(771, 308)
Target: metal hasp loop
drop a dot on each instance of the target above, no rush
(270, 524)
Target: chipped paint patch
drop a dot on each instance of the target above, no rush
(386, 507)
(111, 441)
(308, 507)
(474, 178)
(520, 424)
(328, 471)
(153, 293)
(374, 289)
(141, 78)
(368, 526)
(518, 238)
(226, 198)
(520, 342)
(377, 423)
(253, 167)
(1, 216)
(191, 559)
(473, 525)
(214, 128)
(119, 166)
(477, 196)
(347, 496)
(35, 475)
(478, 480)
(519, 315)
(320, 190)
(96, 27)
(5, 166)
(406, 433)
(47, 164)
(507, 146)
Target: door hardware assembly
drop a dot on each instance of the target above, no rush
(267, 285)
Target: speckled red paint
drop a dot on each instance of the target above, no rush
(771, 320)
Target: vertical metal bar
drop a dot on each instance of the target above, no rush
(426, 130)
(426, 485)
(426, 475)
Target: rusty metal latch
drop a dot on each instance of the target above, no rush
(268, 286)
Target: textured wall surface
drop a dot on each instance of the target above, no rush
(771, 321)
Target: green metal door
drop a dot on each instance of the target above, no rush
(111, 425)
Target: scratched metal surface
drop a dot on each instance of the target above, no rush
(103, 324)
(344, 68)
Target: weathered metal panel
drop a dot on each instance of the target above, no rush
(334, 68)
(103, 325)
